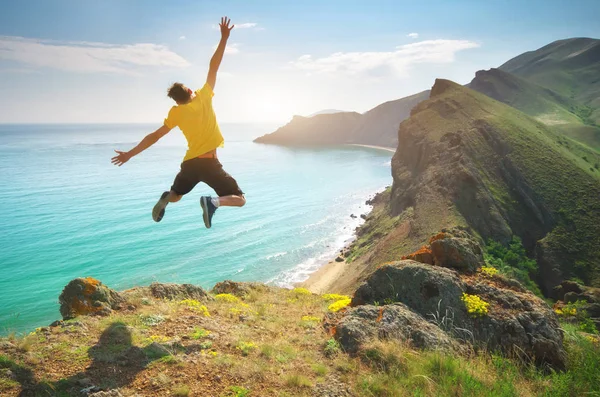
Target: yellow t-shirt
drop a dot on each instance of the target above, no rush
(198, 123)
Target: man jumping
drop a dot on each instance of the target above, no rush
(195, 117)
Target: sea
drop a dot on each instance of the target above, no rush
(67, 212)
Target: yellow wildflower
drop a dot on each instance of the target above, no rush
(476, 306)
(335, 297)
(489, 271)
(336, 306)
(227, 298)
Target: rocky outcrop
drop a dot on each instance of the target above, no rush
(453, 248)
(237, 288)
(83, 296)
(391, 322)
(514, 321)
(178, 291)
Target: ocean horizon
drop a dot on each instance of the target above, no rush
(70, 213)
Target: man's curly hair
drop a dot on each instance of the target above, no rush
(178, 93)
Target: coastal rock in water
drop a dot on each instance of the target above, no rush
(517, 323)
(339, 259)
(365, 323)
(239, 289)
(178, 291)
(84, 296)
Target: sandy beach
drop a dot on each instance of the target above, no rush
(386, 148)
(322, 280)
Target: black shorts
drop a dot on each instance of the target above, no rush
(209, 171)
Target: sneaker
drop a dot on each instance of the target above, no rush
(159, 209)
(209, 210)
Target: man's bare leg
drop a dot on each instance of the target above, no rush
(232, 201)
(159, 209)
(210, 204)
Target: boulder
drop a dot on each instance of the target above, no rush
(558, 292)
(364, 323)
(83, 296)
(517, 322)
(239, 289)
(178, 291)
(456, 249)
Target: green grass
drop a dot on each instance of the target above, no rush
(513, 262)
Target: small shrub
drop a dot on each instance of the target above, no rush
(331, 348)
(267, 351)
(200, 333)
(157, 339)
(319, 369)
(195, 306)
(227, 298)
(311, 318)
(476, 306)
(587, 325)
(151, 320)
(337, 306)
(239, 391)
(297, 380)
(181, 391)
(207, 344)
(334, 297)
(298, 292)
(246, 347)
(489, 271)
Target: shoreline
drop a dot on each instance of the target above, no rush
(385, 148)
(321, 280)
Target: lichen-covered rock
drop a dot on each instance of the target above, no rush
(419, 286)
(423, 255)
(456, 249)
(392, 322)
(239, 289)
(178, 291)
(83, 296)
(517, 323)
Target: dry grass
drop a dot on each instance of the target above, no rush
(266, 350)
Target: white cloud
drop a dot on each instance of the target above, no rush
(246, 25)
(181, 37)
(377, 64)
(232, 48)
(413, 35)
(88, 57)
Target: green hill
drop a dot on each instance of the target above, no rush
(466, 159)
(322, 129)
(570, 67)
(543, 103)
(378, 126)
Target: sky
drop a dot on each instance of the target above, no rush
(111, 61)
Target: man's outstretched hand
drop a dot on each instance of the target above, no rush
(225, 29)
(121, 158)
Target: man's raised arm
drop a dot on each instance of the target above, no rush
(149, 140)
(215, 61)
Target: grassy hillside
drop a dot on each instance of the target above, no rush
(570, 67)
(466, 159)
(270, 343)
(555, 110)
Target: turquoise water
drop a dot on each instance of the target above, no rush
(67, 212)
